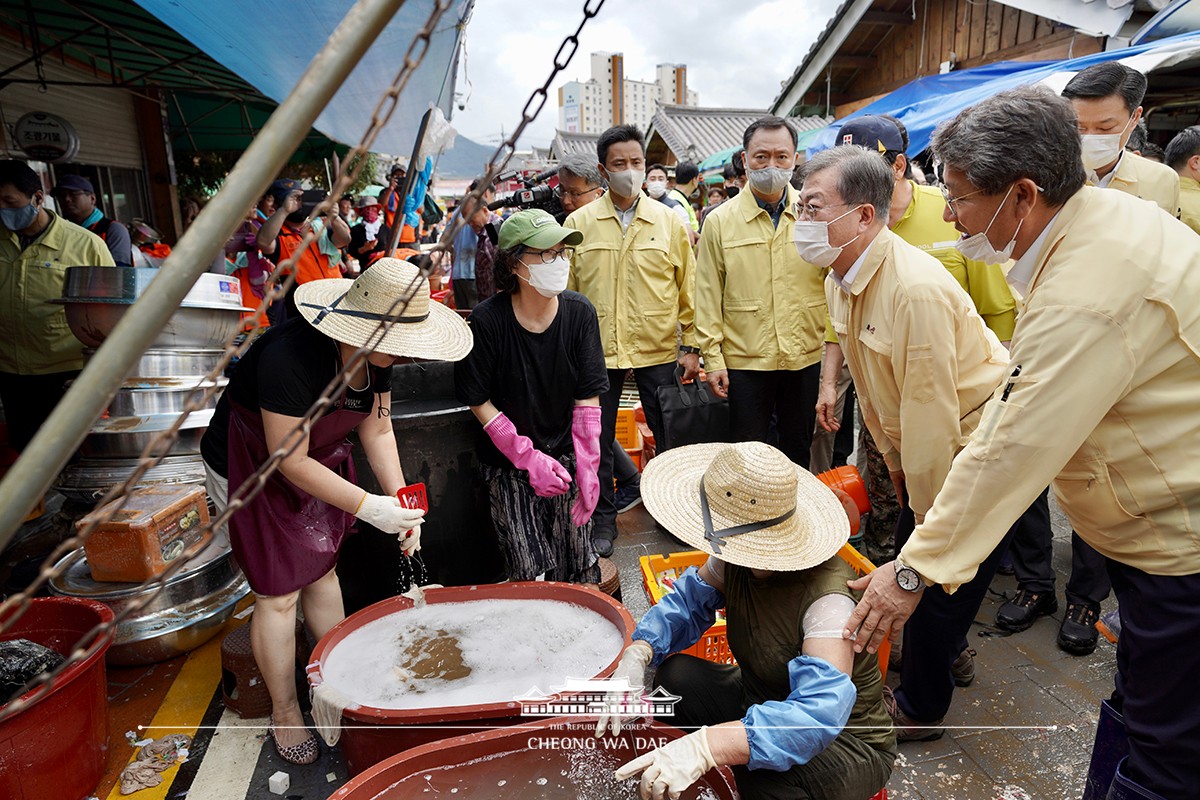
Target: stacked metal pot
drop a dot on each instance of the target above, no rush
(151, 399)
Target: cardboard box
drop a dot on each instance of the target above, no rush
(157, 525)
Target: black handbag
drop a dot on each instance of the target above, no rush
(691, 413)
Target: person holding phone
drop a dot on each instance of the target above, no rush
(287, 538)
(282, 235)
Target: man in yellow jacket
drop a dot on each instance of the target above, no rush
(637, 267)
(760, 310)
(1183, 156)
(1100, 398)
(924, 364)
(39, 354)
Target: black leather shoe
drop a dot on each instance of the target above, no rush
(602, 543)
(1023, 610)
(1077, 635)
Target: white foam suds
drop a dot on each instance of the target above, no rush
(510, 647)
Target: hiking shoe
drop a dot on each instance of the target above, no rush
(963, 668)
(628, 497)
(1023, 610)
(908, 729)
(602, 542)
(1078, 634)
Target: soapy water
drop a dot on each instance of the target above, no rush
(481, 651)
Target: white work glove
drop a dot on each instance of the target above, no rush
(672, 768)
(631, 667)
(386, 514)
(410, 541)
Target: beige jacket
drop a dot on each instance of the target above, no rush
(1189, 203)
(922, 359)
(1148, 180)
(1105, 405)
(759, 306)
(641, 281)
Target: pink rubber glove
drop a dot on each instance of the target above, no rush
(547, 477)
(585, 433)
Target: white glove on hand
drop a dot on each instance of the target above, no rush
(631, 667)
(386, 514)
(672, 768)
(410, 541)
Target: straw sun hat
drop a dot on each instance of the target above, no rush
(745, 503)
(350, 311)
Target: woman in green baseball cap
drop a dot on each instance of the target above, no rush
(534, 381)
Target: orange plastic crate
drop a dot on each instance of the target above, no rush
(627, 431)
(714, 644)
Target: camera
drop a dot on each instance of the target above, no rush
(536, 194)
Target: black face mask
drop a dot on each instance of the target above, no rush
(731, 190)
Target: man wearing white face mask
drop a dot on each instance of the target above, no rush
(924, 363)
(533, 379)
(656, 187)
(636, 266)
(1108, 101)
(760, 309)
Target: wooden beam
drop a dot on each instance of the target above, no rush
(886, 18)
(853, 62)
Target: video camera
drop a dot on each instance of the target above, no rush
(536, 194)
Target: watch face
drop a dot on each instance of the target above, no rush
(908, 579)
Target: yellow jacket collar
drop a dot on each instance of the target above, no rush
(749, 207)
(876, 252)
(1061, 225)
(51, 237)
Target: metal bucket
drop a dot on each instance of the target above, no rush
(190, 327)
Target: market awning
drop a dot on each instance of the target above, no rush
(269, 43)
(927, 102)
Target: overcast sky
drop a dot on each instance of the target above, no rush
(736, 52)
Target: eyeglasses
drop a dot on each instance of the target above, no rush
(809, 211)
(950, 201)
(559, 191)
(549, 256)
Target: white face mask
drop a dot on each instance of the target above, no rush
(977, 247)
(627, 183)
(1101, 149)
(812, 240)
(769, 180)
(549, 279)
(656, 189)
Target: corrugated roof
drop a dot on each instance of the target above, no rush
(568, 144)
(694, 134)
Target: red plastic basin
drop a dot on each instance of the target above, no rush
(372, 734)
(56, 748)
(519, 755)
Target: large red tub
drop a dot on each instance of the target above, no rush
(56, 748)
(372, 734)
(545, 759)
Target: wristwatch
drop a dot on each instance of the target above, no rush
(908, 578)
(689, 350)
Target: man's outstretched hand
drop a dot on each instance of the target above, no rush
(884, 607)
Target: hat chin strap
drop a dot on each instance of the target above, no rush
(332, 308)
(717, 538)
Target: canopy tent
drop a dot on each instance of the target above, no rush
(214, 123)
(271, 51)
(719, 159)
(926, 102)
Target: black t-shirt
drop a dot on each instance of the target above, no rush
(358, 240)
(533, 378)
(284, 372)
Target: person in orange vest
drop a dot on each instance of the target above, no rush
(281, 236)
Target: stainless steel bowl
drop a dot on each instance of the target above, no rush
(168, 396)
(127, 284)
(125, 437)
(190, 327)
(175, 363)
(89, 479)
(191, 608)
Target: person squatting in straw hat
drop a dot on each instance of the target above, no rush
(800, 715)
(287, 538)
(534, 379)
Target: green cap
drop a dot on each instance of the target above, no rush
(537, 230)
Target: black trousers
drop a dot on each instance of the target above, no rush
(28, 401)
(1032, 553)
(937, 632)
(466, 296)
(648, 380)
(1157, 663)
(788, 396)
(848, 769)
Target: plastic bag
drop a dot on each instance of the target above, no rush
(20, 662)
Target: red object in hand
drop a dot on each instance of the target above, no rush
(414, 496)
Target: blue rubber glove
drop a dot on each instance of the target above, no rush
(680, 618)
(785, 734)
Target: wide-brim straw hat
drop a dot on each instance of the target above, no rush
(351, 311)
(764, 511)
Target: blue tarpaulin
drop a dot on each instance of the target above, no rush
(929, 101)
(269, 44)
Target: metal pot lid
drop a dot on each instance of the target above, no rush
(127, 284)
(174, 383)
(105, 472)
(75, 579)
(152, 423)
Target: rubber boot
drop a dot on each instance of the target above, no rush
(1110, 747)
(1125, 789)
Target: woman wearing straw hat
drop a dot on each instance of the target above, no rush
(800, 716)
(287, 538)
(534, 380)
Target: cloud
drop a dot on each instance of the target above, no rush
(736, 53)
